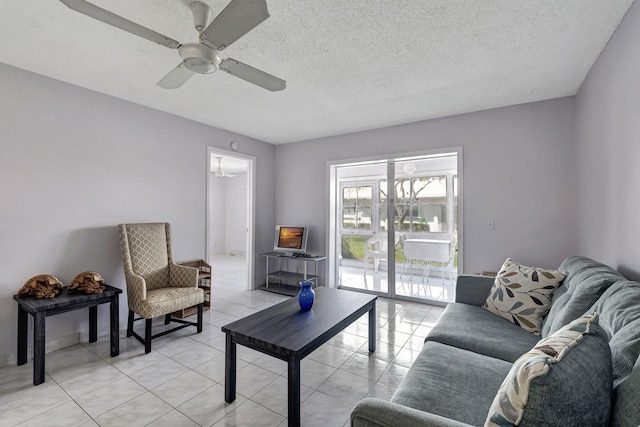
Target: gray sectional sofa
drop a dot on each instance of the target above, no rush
(470, 351)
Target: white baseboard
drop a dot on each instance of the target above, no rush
(7, 359)
(58, 343)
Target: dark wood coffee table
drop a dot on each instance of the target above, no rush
(286, 332)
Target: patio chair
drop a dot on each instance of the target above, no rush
(375, 249)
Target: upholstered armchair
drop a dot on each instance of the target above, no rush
(156, 286)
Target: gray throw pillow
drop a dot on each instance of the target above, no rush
(566, 379)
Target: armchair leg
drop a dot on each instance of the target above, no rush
(167, 318)
(130, 323)
(199, 327)
(147, 336)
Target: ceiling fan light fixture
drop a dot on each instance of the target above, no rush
(200, 66)
(200, 58)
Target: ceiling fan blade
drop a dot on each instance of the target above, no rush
(176, 77)
(236, 20)
(252, 75)
(107, 17)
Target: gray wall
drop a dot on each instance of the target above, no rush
(236, 214)
(608, 152)
(227, 214)
(217, 217)
(74, 164)
(518, 170)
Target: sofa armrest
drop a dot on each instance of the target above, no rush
(372, 412)
(473, 290)
(181, 276)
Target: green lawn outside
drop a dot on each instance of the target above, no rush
(353, 247)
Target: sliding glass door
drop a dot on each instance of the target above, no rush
(362, 245)
(395, 223)
(424, 205)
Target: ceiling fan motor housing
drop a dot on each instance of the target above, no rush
(200, 58)
(201, 15)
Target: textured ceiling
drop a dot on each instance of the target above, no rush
(349, 65)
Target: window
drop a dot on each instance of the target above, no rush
(421, 204)
(356, 207)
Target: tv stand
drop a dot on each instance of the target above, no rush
(287, 274)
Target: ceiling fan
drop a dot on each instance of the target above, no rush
(236, 20)
(219, 172)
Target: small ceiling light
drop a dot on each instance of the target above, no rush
(409, 167)
(233, 145)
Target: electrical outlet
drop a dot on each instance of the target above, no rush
(491, 225)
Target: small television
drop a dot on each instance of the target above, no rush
(291, 240)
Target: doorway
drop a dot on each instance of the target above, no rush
(230, 211)
(396, 223)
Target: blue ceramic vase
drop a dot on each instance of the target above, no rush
(306, 295)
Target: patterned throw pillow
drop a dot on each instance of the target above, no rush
(566, 379)
(522, 294)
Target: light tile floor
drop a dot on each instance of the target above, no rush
(181, 382)
(414, 285)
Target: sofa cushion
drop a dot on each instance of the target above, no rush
(586, 280)
(522, 294)
(475, 329)
(619, 316)
(625, 410)
(452, 383)
(473, 289)
(564, 380)
(372, 412)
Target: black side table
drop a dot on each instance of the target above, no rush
(65, 301)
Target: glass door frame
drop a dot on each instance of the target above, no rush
(334, 214)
